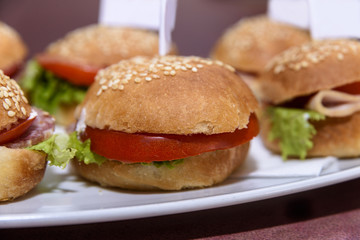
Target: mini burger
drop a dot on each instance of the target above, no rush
(166, 123)
(12, 50)
(252, 42)
(57, 79)
(311, 100)
(21, 127)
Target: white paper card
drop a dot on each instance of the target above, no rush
(293, 12)
(263, 163)
(334, 18)
(147, 14)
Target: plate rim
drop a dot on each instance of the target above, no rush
(171, 207)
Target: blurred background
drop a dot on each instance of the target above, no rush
(198, 25)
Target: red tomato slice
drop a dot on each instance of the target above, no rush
(135, 147)
(77, 74)
(351, 88)
(17, 130)
(10, 71)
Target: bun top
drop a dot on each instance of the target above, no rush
(12, 47)
(101, 46)
(311, 67)
(13, 104)
(252, 42)
(169, 95)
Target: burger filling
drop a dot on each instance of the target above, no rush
(28, 132)
(292, 121)
(92, 145)
(48, 91)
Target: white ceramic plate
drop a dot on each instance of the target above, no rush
(64, 199)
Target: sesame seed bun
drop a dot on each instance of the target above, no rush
(12, 47)
(203, 170)
(169, 95)
(14, 106)
(252, 42)
(339, 137)
(306, 69)
(99, 45)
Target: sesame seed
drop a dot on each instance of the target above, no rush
(143, 74)
(168, 68)
(11, 113)
(340, 56)
(121, 87)
(23, 110)
(278, 69)
(137, 80)
(24, 99)
(8, 102)
(166, 73)
(155, 76)
(148, 79)
(173, 73)
(194, 69)
(219, 63)
(6, 94)
(17, 106)
(230, 68)
(304, 64)
(99, 92)
(6, 107)
(297, 67)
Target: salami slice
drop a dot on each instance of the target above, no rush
(40, 130)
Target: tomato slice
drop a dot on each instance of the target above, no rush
(135, 147)
(351, 88)
(17, 130)
(77, 74)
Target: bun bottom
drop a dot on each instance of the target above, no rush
(198, 171)
(338, 137)
(20, 171)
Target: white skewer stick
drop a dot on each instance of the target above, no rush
(324, 18)
(156, 15)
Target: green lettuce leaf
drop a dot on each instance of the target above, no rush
(293, 130)
(48, 92)
(61, 148)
